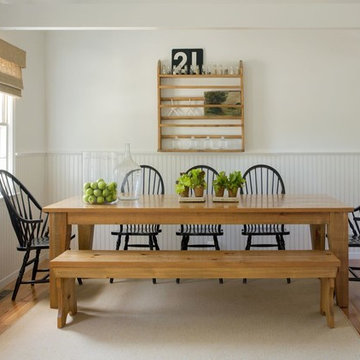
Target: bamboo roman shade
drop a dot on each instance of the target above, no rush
(12, 60)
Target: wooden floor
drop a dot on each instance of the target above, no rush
(28, 296)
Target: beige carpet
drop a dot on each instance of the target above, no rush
(198, 319)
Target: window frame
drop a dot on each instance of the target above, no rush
(7, 123)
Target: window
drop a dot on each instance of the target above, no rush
(6, 135)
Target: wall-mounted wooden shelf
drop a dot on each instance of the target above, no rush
(187, 122)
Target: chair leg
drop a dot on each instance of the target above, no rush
(151, 246)
(35, 266)
(217, 247)
(126, 246)
(248, 243)
(118, 242)
(21, 274)
(155, 242)
(186, 242)
(247, 247)
(278, 241)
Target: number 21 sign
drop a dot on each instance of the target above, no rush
(182, 59)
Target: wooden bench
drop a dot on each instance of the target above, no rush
(74, 264)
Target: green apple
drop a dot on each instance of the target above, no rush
(112, 186)
(89, 191)
(86, 185)
(101, 185)
(100, 200)
(91, 199)
(97, 192)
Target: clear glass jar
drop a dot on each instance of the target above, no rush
(128, 177)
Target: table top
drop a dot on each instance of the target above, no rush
(289, 203)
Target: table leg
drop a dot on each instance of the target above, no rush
(317, 236)
(86, 235)
(338, 243)
(59, 235)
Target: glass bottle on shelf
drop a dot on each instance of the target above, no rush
(223, 143)
(207, 143)
(193, 143)
(215, 144)
(175, 143)
(128, 177)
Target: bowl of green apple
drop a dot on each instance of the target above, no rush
(99, 192)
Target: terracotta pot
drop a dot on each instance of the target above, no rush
(185, 193)
(220, 192)
(233, 192)
(199, 191)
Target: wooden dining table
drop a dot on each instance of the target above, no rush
(325, 215)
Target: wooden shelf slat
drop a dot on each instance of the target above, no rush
(202, 117)
(201, 76)
(183, 98)
(200, 106)
(202, 136)
(199, 150)
(201, 125)
(225, 87)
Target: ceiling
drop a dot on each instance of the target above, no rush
(99, 2)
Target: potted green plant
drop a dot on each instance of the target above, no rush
(198, 183)
(220, 184)
(235, 181)
(183, 184)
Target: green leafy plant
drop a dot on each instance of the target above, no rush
(235, 181)
(183, 184)
(197, 177)
(220, 181)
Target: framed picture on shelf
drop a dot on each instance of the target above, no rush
(183, 59)
(222, 98)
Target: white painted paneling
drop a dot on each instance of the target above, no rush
(334, 174)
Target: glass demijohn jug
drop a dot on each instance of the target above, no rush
(128, 177)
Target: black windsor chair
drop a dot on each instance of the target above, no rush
(187, 230)
(264, 179)
(30, 225)
(152, 183)
(354, 239)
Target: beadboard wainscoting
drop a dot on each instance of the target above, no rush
(334, 174)
(54, 176)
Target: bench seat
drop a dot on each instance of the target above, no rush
(74, 264)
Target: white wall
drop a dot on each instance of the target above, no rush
(301, 86)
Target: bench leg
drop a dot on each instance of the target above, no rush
(66, 300)
(327, 300)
